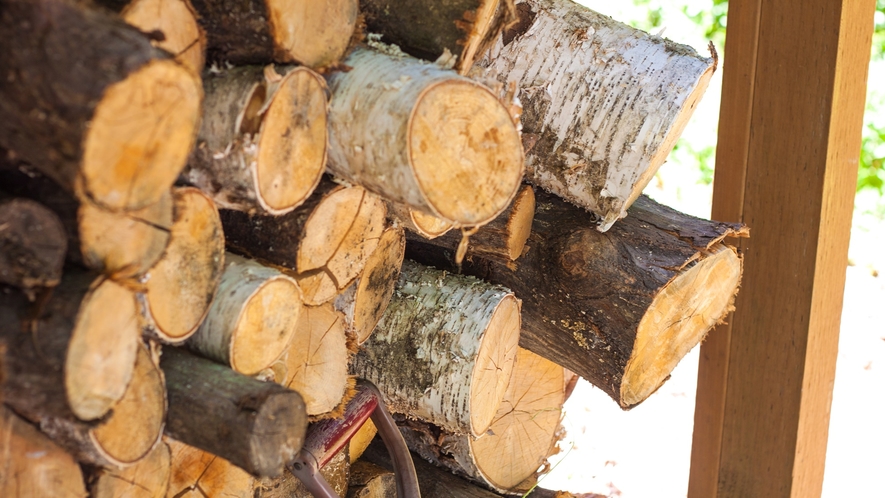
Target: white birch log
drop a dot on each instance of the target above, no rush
(603, 103)
(444, 349)
(252, 319)
(423, 136)
(262, 141)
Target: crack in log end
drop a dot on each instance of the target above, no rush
(524, 19)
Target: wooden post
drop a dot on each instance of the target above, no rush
(787, 164)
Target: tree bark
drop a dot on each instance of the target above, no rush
(172, 24)
(121, 245)
(603, 103)
(262, 141)
(32, 466)
(315, 34)
(257, 426)
(200, 474)
(619, 308)
(365, 300)
(32, 244)
(149, 478)
(180, 287)
(120, 129)
(423, 136)
(428, 28)
(324, 243)
(444, 349)
(524, 433)
(253, 318)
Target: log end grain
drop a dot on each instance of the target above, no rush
(678, 319)
(140, 136)
(266, 325)
(32, 244)
(376, 285)
(149, 478)
(368, 480)
(315, 34)
(519, 222)
(196, 473)
(177, 21)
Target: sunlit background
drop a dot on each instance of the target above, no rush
(646, 452)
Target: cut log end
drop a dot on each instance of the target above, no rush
(197, 473)
(377, 283)
(182, 283)
(266, 325)
(315, 34)
(429, 226)
(140, 135)
(494, 364)
(149, 478)
(32, 244)
(678, 319)
(101, 354)
(519, 223)
(176, 19)
(292, 148)
(478, 150)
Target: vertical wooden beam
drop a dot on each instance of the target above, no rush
(793, 100)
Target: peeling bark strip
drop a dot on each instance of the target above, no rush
(427, 28)
(199, 474)
(603, 103)
(148, 478)
(182, 284)
(32, 244)
(619, 308)
(257, 426)
(444, 349)
(121, 130)
(324, 243)
(262, 141)
(308, 32)
(423, 136)
(253, 318)
(505, 459)
(71, 353)
(32, 466)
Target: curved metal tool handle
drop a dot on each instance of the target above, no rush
(326, 438)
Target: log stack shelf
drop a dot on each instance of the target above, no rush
(216, 215)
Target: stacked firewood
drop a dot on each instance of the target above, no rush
(206, 209)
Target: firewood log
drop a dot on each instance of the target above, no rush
(620, 308)
(32, 466)
(119, 131)
(428, 28)
(72, 352)
(199, 474)
(252, 319)
(180, 287)
(257, 426)
(365, 300)
(172, 24)
(603, 103)
(148, 478)
(425, 225)
(336, 473)
(316, 359)
(122, 245)
(368, 480)
(503, 238)
(324, 243)
(32, 244)
(361, 440)
(524, 433)
(308, 32)
(444, 349)
(262, 141)
(423, 136)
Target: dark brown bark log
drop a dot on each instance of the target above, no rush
(257, 426)
(427, 28)
(585, 293)
(89, 101)
(32, 244)
(312, 33)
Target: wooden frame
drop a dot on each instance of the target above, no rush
(789, 135)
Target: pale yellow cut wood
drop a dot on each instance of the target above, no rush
(678, 319)
(140, 135)
(362, 439)
(316, 361)
(312, 33)
(32, 466)
(176, 19)
(124, 245)
(252, 319)
(198, 474)
(425, 225)
(102, 350)
(182, 285)
(149, 478)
